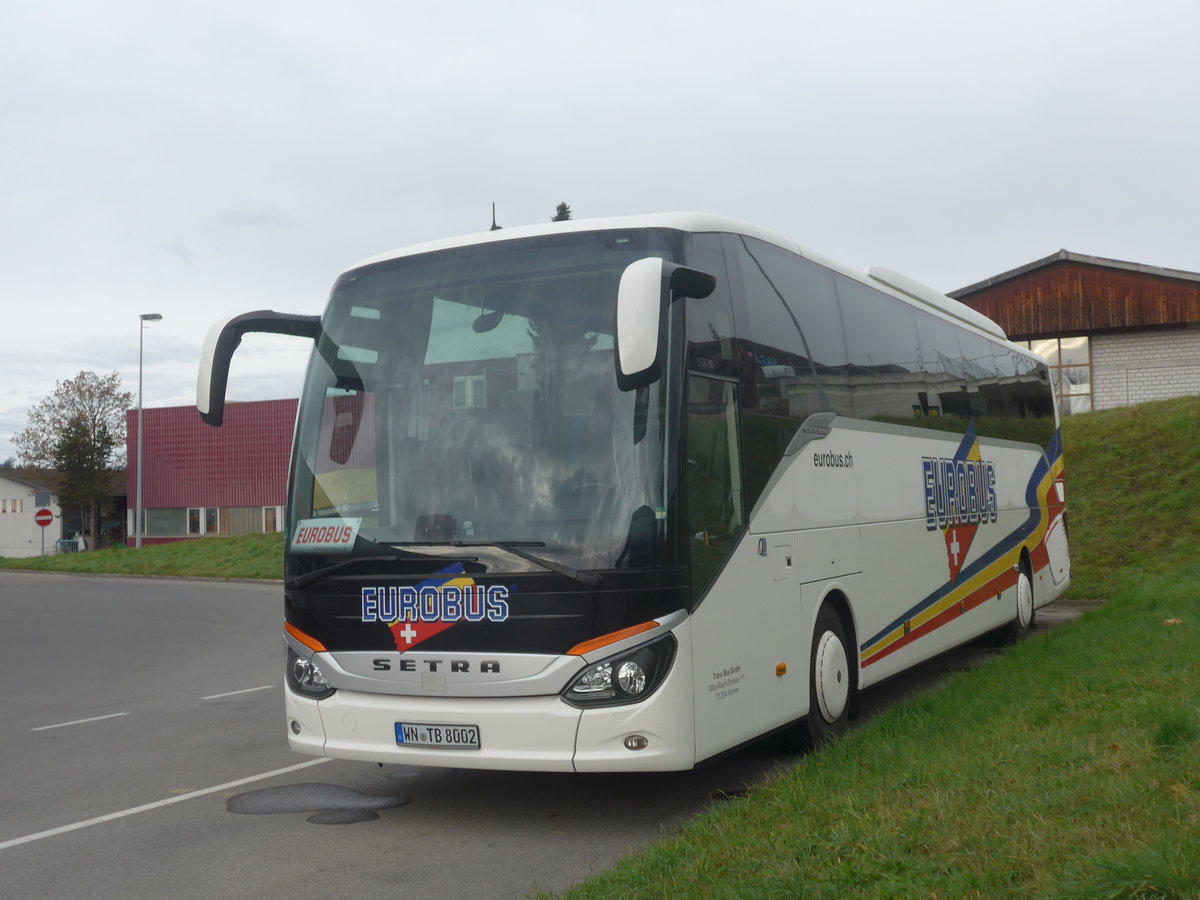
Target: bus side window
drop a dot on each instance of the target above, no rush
(716, 514)
(795, 343)
(710, 328)
(884, 379)
(792, 348)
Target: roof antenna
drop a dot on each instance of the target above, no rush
(494, 227)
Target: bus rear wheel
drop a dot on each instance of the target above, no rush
(1025, 613)
(830, 685)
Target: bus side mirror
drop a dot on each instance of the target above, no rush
(647, 287)
(224, 337)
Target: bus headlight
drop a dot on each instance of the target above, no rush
(623, 678)
(631, 678)
(305, 677)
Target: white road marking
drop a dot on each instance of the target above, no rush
(158, 804)
(265, 687)
(79, 721)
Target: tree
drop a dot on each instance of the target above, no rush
(96, 401)
(562, 213)
(79, 430)
(82, 454)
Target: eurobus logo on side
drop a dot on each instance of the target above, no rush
(959, 492)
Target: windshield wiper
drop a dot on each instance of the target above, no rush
(361, 543)
(514, 547)
(315, 575)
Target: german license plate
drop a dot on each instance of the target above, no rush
(451, 737)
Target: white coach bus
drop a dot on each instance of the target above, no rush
(626, 494)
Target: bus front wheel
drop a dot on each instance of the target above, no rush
(830, 684)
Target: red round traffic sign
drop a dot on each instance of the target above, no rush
(43, 517)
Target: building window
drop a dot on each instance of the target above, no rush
(1070, 362)
(206, 518)
(469, 390)
(166, 522)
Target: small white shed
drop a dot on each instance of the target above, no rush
(20, 533)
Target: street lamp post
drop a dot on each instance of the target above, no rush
(139, 520)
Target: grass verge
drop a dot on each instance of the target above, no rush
(251, 556)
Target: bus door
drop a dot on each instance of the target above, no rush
(733, 629)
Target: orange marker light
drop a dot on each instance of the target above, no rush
(310, 642)
(606, 639)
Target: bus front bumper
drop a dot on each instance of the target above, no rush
(544, 734)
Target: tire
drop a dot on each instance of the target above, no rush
(1025, 614)
(830, 685)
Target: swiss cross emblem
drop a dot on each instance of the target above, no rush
(410, 631)
(958, 543)
(960, 496)
(408, 634)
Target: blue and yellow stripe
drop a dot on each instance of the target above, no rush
(989, 575)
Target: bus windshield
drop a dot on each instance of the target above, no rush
(469, 395)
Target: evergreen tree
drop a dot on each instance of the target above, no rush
(81, 454)
(562, 213)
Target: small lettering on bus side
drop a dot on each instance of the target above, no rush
(831, 460)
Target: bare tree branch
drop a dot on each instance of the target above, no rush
(97, 401)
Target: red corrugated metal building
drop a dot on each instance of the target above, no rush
(200, 481)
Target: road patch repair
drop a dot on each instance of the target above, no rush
(330, 804)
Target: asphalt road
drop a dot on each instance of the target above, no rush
(144, 756)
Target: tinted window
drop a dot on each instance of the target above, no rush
(792, 350)
(817, 340)
(716, 513)
(974, 382)
(795, 328)
(710, 330)
(978, 362)
(883, 376)
(940, 352)
(941, 365)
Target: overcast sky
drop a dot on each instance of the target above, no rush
(204, 159)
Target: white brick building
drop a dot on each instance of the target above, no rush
(1139, 366)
